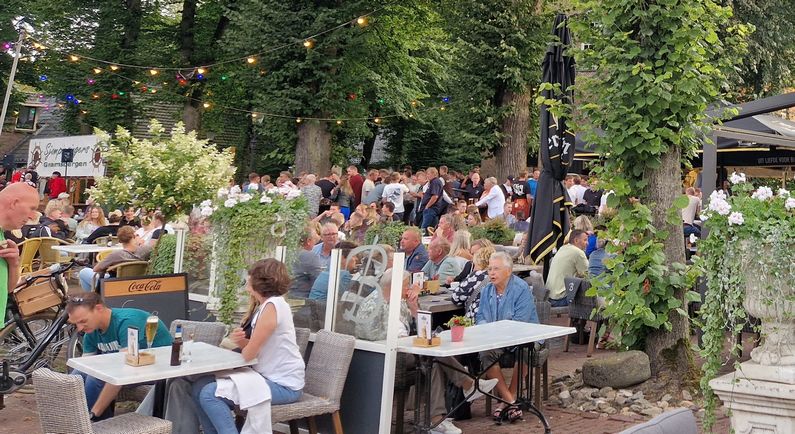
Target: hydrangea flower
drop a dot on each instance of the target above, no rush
(737, 178)
(222, 192)
(245, 197)
(235, 190)
(265, 199)
(783, 192)
(229, 203)
(736, 218)
(763, 193)
(292, 194)
(207, 203)
(207, 211)
(720, 206)
(789, 204)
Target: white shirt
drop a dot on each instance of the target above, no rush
(394, 193)
(495, 201)
(603, 201)
(279, 358)
(576, 193)
(367, 187)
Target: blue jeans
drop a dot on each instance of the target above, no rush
(214, 412)
(691, 229)
(87, 278)
(563, 302)
(429, 218)
(93, 387)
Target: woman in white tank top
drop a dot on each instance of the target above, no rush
(272, 343)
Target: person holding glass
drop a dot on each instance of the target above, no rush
(106, 332)
(272, 343)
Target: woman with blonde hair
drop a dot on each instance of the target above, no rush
(95, 219)
(467, 294)
(444, 229)
(461, 244)
(584, 224)
(345, 196)
(473, 216)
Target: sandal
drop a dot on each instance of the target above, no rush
(514, 414)
(497, 414)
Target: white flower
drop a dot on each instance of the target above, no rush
(703, 217)
(720, 206)
(736, 218)
(245, 197)
(292, 194)
(235, 189)
(789, 204)
(737, 178)
(206, 204)
(222, 192)
(783, 192)
(693, 238)
(265, 199)
(763, 193)
(229, 203)
(717, 194)
(207, 211)
(273, 190)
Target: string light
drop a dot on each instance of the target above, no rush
(339, 122)
(377, 120)
(91, 81)
(73, 58)
(254, 116)
(95, 96)
(206, 105)
(201, 71)
(97, 70)
(251, 60)
(114, 67)
(7, 46)
(298, 120)
(309, 43)
(442, 108)
(362, 21)
(153, 90)
(414, 103)
(153, 72)
(42, 78)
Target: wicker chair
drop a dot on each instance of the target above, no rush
(29, 249)
(61, 402)
(326, 373)
(124, 269)
(584, 308)
(103, 254)
(49, 256)
(302, 339)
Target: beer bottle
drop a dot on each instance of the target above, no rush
(176, 347)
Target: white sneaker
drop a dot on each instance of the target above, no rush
(486, 386)
(446, 427)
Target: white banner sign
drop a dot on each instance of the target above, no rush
(45, 156)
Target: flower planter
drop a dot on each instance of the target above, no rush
(457, 333)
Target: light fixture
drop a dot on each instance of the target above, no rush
(73, 58)
(114, 67)
(206, 105)
(251, 60)
(362, 21)
(153, 72)
(309, 43)
(97, 70)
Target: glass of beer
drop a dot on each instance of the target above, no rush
(152, 323)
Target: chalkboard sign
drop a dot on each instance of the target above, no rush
(166, 294)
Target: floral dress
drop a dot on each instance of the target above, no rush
(467, 294)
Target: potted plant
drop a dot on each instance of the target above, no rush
(749, 269)
(457, 325)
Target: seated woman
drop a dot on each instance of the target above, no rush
(467, 294)
(272, 343)
(130, 244)
(95, 218)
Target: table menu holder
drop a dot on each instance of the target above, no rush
(432, 286)
(422, 342)
(143, 359)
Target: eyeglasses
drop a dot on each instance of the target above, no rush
(330, 235)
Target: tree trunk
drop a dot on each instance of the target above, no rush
(313, 151)
(368, 146)
(132, 26)
(511, 157)
(669, 350)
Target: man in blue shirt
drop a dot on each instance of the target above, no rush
(532, 185)
(411, 245)
(106, 332)
(319, 289)
(433, 203)
(329, 234)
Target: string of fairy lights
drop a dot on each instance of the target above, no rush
(183, 76)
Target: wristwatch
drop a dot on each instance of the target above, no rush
(92, 416)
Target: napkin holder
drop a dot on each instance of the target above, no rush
(422, 342)
(432, 286)
(143, 359)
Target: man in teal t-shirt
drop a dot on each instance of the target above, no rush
(18, 202)
(106, 332)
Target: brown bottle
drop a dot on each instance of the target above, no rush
(176, 347)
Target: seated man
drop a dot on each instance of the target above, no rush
(109, 230)
(373, 322)
(106, 332)
(440, 265)
(307, 265)
(329, 234)
(411, 245)
(506, 297)
(319, 289)
(129, 242)
(569, 261)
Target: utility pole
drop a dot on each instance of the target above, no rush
(17, 50)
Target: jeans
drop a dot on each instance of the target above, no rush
(429, 218)
(93, 387)
(563, 302)
(87, 278)
(691, 229)
(214, 412)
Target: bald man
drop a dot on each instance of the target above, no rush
(18, 202)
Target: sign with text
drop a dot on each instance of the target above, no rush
(45, 155)
(166, 294)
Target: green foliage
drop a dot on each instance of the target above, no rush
(163, 255)
(494, 230)
(170, 173)
(740, 228)
(459, 320)
(245, 229)
(388, 233)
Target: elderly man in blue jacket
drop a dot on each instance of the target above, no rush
(506, 297)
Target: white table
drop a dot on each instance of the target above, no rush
(205, 358)
(484, 337)
(85, 248)
(437, 303)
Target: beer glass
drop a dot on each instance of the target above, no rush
(152, 322)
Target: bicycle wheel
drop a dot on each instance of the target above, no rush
(75, 346)
(15, 348)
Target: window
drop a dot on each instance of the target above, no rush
(28, 118)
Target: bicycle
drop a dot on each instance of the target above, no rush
(29, 342)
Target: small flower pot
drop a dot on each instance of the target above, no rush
(457, 333)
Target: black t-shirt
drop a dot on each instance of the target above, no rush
(326, 187)
(134, 222)
(519, 190)
(592, 197)
(435, 188)
(103, 231)
(474, 191)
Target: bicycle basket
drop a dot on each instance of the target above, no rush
(39, 296)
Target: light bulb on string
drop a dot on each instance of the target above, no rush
(377, 120)
(251, 60)
(153, 72)
(199, 76)
(414, 103)
(442, 108)
(97, 71)
(42, 77)
(362, 21)
(446, 99)
(73, 58)
(206, 105)
(95, 96)
(254, 116)
(153, 90)
(114, 67)
(114, 96)
(309, 43)
(83, 112)
(70, 97)
(224, 77)
(6, 45)
(298, 120)
(339, 122)
(91, 81)
(201, 70)
(182, 82)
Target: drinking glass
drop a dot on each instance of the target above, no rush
(188, 333)
(152, 323)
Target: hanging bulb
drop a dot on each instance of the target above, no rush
(97, 70)
(339, 122)
(73, 58)
(206, 105)
(362, 21)
(114, 67)
(251, 60)
(201, 70)
(377, 120)
(298, 120)
(309, 43)
(153, 72)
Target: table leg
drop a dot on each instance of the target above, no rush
(525, 385)
(160, 399)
